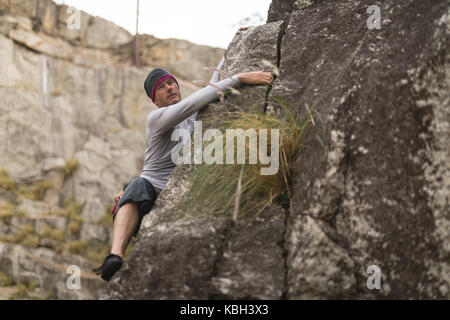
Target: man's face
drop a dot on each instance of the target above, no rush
(167, 93)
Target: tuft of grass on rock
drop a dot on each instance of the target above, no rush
(54, 234)
(26, 236)
(31, 241)
(21, 293)
(35, 191)
(23, 290)
(77, 246)
(73, 227)
(71, 166)
(6, 182)
(216, 185)
(57, 92)
(40, 188)
(98, 255)
(73, 212)
(50, 295)
(106, 219)
(5, 281)
(73, 209)
(7, 209)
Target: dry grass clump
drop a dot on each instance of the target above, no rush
(26, 236)
(54, 234)
(5, 281)
(98, 255)
(71, 166)
(106, 219)
(77, 246)
(24, 290)
(34, 191)
(241, 189)
(73, 211)
(7, 209)
(6, 182)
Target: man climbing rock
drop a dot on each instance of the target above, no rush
(140, 193)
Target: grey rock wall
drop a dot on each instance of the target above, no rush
(74, 94)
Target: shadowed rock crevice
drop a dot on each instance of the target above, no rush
(285, 254)
(223, 246)
(281, 33)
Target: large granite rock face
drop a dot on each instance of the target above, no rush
(218, 257)
(380, 194)
(371, 190)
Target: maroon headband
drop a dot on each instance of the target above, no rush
(161, 80)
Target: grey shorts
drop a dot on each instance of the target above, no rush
(142, 192)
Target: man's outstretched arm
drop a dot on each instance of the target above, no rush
(166, 118)
(214, 79)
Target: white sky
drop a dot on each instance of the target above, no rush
(207, 22)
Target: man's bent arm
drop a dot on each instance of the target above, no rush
(166, 118)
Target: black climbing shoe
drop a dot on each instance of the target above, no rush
(110, 266)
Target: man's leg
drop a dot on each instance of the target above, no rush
(125, 224)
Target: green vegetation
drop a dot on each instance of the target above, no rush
(34, 191)
(77, 246)
(50, 295)
(63, 241)
(23, 291)
(7, 209)
(57, 92)
(106, 219)
(58, 247)
(21, 212)
(54, 234)
(6, 182)
(26, 237)
(73, 227)
(98, 255)
(31, 240)
(40, 188)
(73, 211)
(5, 281)
(241, 189)
(71, 166)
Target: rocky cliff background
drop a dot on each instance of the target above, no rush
(372, 191)
(72, 130)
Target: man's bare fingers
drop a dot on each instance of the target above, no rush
(268, 77)
(256, 78)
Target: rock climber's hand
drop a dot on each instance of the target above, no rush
(118, 196)
(255, 78)
(242, 29)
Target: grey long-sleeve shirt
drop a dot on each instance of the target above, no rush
(158, 164)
